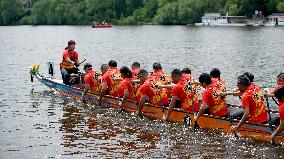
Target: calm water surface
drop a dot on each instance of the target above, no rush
(38, 123)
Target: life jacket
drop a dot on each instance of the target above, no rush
(73, 56)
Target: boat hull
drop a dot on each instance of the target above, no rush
(251, 130)
(102, 26)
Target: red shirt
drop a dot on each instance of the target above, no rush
(253, 99)
(135, 73)
(90, 79)
(73, 56)
(150, 89)
(186, 93)
(216, 103)
(114, 86)
(126, 84)
(281, 111)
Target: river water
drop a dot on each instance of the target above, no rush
(35, 122)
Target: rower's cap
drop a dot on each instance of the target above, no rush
(71, 42)
(88, 66)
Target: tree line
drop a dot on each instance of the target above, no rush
(130, 12)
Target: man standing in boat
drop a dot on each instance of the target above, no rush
(211, 98)
(69, 62)
(252, 102)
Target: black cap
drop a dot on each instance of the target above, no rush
(71, 42)
(87, 66)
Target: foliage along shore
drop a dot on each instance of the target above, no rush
(126, 12)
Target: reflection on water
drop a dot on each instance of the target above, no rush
(35, 122)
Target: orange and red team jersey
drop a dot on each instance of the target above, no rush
(216, 103)
(73, 56)
(186, 92)
(161, 78)
(253, 99)
(126, 84)
(93, 81)
(135, 73)
(156, 95)
(114, 86)
(281, 111)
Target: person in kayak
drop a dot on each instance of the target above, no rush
(255, 110)
(69, 62)
(211, 98)
(279, 94)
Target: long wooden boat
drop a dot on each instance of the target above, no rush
(251, 130)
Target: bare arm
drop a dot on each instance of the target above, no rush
(104, 89)
(244, 118)
(125, 96)
(279, 129)
(171, 107)
(142, 103)
(167, 86)
(201, 111)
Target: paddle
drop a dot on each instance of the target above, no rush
(269, 115)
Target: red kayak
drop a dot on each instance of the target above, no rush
(101, 26)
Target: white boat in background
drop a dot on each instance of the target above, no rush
(215, 19)
(276, 19)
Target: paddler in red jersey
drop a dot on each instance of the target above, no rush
(183, 92)
(211, 98)
(110, 84)
(279, 94)
(150, 92)
(104, 69)
(255, 110)
(69, 62)
(91, 80)
(215, 75)
(161, 78)
(280, 83)
(127, 86)
(135, 70)
(186, 75)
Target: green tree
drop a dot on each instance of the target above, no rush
(280, 6)
(41, 11)
(12, 11)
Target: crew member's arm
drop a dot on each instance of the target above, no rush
(223, 94)
(171, 107)
(169, 87)
(125, 97)
(141, 104)
(135, 81)
(104, 89)
(244, 118)
(279, 130)
(201, 111)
